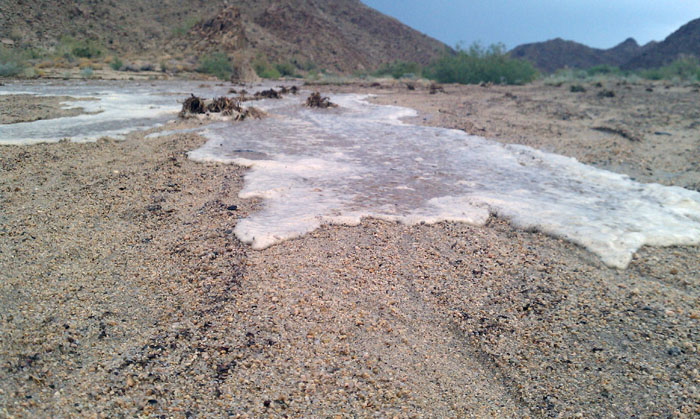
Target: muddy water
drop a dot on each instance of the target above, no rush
(110, 108)
(314, 167)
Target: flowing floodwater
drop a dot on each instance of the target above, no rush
(111, 108)
(313, 167)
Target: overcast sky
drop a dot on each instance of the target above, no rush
(597, 23)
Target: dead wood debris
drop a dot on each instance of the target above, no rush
(285, 90)
(192, 105)
(434, 88)
(619, 131)
(223, 106)
(318, 101)
(253, 113)
(268, 94)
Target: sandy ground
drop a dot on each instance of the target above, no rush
(124, 292)
(28, 108)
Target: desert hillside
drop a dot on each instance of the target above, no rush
(685, 41)
(337, 35)
(557, 53)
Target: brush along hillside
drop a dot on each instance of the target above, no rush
(288, 36)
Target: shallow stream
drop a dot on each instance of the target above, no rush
(313, 167)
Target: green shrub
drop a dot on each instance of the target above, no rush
(684, 68)
(286, 69)
(603, 69)
(87, 72)
(312, 75)
(217, 64)
(116, 64)
(184, 27)
(69, 48)
(86, 49)
(479, 64)
(571, 74)
(652, 74)
(307, 65)
(10, 69)
(398, 69)
(12, 63)
(265, 71)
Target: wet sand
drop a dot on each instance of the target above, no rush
(28, 108)
(125, 293)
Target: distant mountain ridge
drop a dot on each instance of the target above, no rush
(555, 54)
(685, 41)
(338, 35)
(552, 55)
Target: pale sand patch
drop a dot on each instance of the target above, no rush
(28, 108)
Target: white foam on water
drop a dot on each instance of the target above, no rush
(112, 109)
(336, 166)
(315, 167)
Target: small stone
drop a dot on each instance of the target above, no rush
(674, 351)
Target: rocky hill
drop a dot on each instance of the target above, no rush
(555, 54)
(685, 41)
(337, 35)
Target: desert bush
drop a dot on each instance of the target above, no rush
(312, 75)
(69, 48)
(217, 64)
(86, 49)
(116, 64)
(684, 68)
(478, 64)
(264, 70)
(652, 74)
(10, 69)
(87, 72)
(604, 69)
(185, 26)
(287, 69)
(84, 63)
(306, 65)
(12, 63)
(398, 69)
(571, 74)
